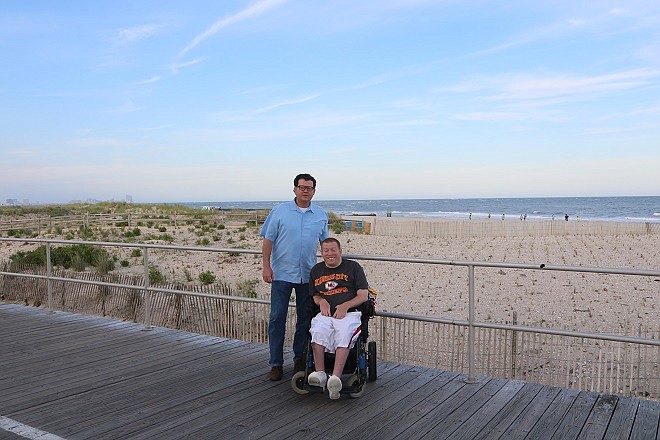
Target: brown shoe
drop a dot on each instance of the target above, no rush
(299, 365)
(275, 373)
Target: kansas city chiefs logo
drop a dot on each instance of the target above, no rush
(329, 285)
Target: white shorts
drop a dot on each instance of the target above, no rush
(333, 333)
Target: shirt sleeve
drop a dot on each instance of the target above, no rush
(360, 278)
(269, 228)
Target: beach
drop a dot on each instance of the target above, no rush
(598, 302)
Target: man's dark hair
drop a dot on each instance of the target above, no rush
(332, 240)
(304, 177)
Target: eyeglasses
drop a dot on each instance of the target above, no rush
(303, 188)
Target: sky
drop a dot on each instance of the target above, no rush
(205, 100)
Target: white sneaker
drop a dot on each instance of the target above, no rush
(317, 379)
(334, 387)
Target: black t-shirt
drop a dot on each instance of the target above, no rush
(339, 284)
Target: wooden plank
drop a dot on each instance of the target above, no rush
(646, 421)
(499, 413)
(376, 400)
(532, 413)
(399, 414)
(440, 405)
(249, 424)
(596, 424)
(53, 380)
(217, 407)
(201, 402)
(551, 419)
(128, 403)
(104, 389)
(574, 420)
(496, 391)
(622, 420)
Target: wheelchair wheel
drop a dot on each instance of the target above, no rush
(352, 380)
(371, 352)
(298, 383)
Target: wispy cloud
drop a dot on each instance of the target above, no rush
(158, 127)
(371, 82)
(634, 113)
(411, 123)
(147, 81)
(182, 65)
(543, 87)
(256, 9)
(492, 116)
(288, 102)
(137, 33)
(526, 86)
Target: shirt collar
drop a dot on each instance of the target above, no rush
(295, 207)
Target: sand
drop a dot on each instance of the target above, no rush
(613, 303)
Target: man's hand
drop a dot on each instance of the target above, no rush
(325, 307)
(341, 311)
(268, 274)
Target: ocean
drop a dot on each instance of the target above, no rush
(621, 209)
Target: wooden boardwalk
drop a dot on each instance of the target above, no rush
(82, 377)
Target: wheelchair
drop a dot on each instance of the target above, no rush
(360, 366)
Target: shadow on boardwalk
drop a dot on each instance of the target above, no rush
(82, 377)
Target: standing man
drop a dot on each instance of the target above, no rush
(292, 232)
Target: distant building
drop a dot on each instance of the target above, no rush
(129, 198)
(12, 202)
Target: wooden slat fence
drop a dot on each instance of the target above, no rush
(569, 362)
(442, 228)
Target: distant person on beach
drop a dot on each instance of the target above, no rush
(291, 235)
(338, 286)
(502, 216)
(566, 217)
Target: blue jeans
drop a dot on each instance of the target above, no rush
(280, 293)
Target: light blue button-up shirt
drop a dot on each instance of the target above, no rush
(295, 236)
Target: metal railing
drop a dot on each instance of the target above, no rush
(471, 324)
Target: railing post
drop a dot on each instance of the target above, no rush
(147, 293)
(514, 346)
(471, 329)
(49, 280)
(383, 351)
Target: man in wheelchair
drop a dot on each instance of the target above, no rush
(339, 286)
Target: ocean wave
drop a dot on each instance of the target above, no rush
(656, 213)
(642, 219)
